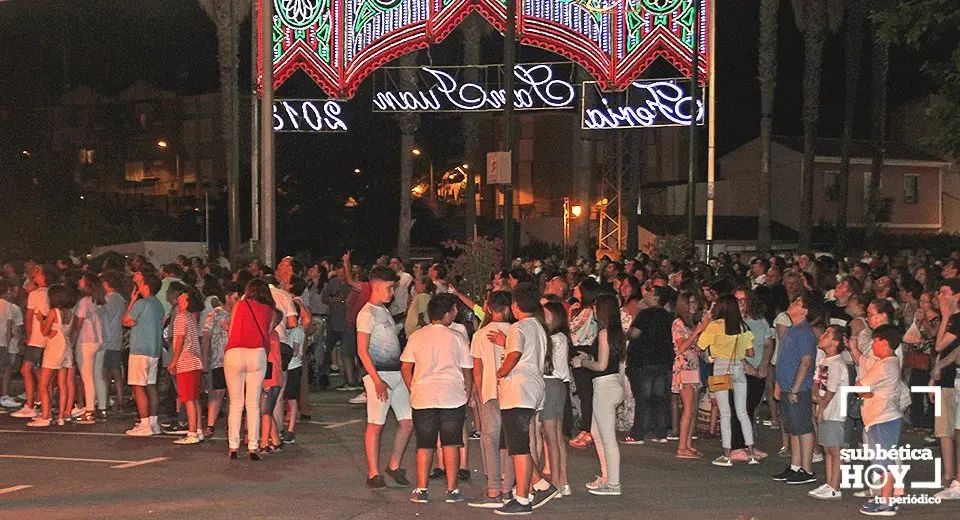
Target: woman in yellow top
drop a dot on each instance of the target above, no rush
(730, 341)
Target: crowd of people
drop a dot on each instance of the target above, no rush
(658, 349)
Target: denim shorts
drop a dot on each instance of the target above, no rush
(797, 417)
(886, 435)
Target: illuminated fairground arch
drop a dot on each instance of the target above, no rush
(340, 42)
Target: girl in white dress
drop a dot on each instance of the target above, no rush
(57, 356)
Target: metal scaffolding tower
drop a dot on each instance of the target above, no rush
(617, 164)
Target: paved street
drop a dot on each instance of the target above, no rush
(97, 472)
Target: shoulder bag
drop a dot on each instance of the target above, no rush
(719, 383)
(256, 322)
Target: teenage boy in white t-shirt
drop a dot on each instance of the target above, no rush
(379, 350)
(11, 333)
(438, 370)
(521, 392)
(487, 358)
(880, 370)
(38, 306)
(832, 373)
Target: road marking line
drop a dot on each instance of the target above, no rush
(345, 423)
(92, 434)
(118, 464)
(139, 463)
(13, 488)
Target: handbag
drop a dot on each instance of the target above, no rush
(256, 322)
(722, 382)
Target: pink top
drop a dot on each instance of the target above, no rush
(250, 327)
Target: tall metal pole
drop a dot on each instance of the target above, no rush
(712, 121)
(233, 170)
(268, 209)
(254, 134)
(509, 59)
(694, 80)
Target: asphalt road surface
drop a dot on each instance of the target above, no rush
(97, 472)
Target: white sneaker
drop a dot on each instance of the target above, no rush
(864, 493)
(200, 435)
(816, 490)
(360, 399)
(27, 412)
(817, 457)
(155, 428)
(825, 492)
(77, 412)
(566, 491)
(39, 422)
(22, 396)
(9, 402)
(140, 430)
(950, 493)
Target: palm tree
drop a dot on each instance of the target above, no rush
(767, 74)
(878, 132)
(854, 12)
(227, 16)
(811, 20)
(408, 128)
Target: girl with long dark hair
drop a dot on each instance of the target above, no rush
(608, 393)
(87, 335)
(730, 341)
(685, 331)
(583, 335)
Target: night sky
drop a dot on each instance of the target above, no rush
(48, 45)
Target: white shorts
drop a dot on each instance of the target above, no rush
(398, 398)
(142, 370)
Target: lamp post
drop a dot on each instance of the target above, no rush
(433, 191)
(165, 145)
(570, 212)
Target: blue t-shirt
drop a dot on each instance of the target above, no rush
(146, 337)
(798, 341)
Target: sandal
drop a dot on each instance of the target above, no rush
(630, 440)
(688, 455)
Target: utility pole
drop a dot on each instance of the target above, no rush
(233, 183)
(694, 84)
(509, 59)
(268, 207)
(254, 137)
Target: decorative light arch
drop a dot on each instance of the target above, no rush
(339, 42)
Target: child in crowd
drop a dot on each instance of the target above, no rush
(487, 359)
(438, 370)
(557, 391)
(832, 374)
(879, 370)
(57, 356)
(187, 365)
(11, 334)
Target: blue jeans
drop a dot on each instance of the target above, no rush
(651, 391)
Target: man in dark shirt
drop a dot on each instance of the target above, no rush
(773, 295)
(650, 366)
(835, 311)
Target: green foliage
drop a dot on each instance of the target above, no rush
(477, 261)
(537, 248)
(931, 26)
(673, 246)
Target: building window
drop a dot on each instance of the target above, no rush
(866, 187)
(911, 185)
(134, 171)
(86, 156)
(830, 185)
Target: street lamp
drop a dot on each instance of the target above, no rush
(569, 212)
(433, 192)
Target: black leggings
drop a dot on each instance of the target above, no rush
(584, 380)
(755, 390)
